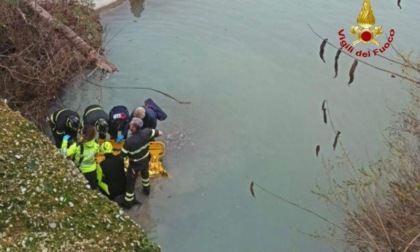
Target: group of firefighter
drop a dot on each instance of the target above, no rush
(77, 139)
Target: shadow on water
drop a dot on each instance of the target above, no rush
(141, 214)
(175, 139)
(136, 7)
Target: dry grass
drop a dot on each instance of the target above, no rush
(381, 202)
(35, 60)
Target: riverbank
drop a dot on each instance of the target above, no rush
(102, 4)
(45, 203)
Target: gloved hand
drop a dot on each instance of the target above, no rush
(66, 137)
(119, 139)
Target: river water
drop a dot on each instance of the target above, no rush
(253, 75)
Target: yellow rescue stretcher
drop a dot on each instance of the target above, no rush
(156, 149)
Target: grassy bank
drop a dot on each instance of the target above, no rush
(45, 202)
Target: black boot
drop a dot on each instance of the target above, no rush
(146, 190)
(126, 204)
(136, 202)
(119, 199)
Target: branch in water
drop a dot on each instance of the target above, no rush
(324, 111)
(336, 62)
(298, 206)
(321, 49)
(336, 139)
(351, 73)
(146, 88)
(251, 188)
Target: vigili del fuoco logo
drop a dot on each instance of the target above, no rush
(366, 33)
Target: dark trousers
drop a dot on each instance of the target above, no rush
(91, 178)
(58, 139)
(132, 173)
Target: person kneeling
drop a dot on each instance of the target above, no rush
(110, 173)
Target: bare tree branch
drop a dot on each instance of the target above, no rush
(417, 82)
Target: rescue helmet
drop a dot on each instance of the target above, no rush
(106, 148)
(101, 125)
(73, 123)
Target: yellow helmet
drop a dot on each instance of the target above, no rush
(106, 147)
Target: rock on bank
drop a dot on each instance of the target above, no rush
(45, 204)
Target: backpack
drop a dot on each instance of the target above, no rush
(160, 114)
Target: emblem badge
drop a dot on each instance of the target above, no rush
(366, 20)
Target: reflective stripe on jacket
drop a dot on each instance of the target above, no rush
(90, 149)
(58, 121)
(93, 113)
(136, 147)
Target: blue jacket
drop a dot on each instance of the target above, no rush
(150, 120)
(119, 119)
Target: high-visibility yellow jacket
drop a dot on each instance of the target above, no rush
(99, 177)
(86, 162)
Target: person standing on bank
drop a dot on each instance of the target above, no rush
(84, 152)
(64, 122)
(97, 117)
(110, 173)
(136, 148)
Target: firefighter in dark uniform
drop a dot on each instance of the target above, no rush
(94, 115)
(110, 173)
(136, 148)
(119, 119)
(64, 122)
